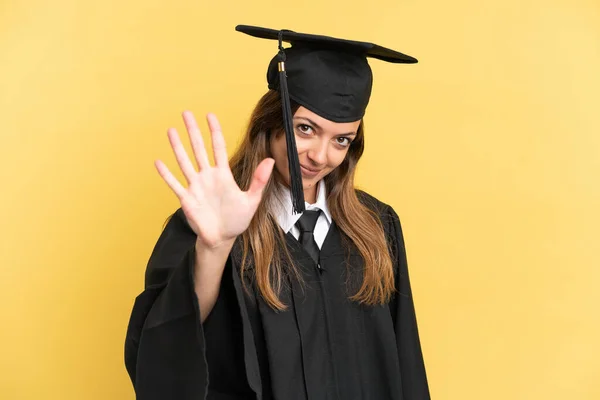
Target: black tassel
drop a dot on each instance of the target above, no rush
(292, 153)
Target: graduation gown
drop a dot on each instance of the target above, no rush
(322, 347)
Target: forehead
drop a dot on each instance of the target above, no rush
(325, 124)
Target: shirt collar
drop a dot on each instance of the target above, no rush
(283, 207)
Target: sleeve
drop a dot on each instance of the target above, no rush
(412, 365)
(164, 344)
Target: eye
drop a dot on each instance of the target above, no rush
(343, 141)
(306, 129)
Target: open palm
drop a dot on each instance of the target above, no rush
(214, 205)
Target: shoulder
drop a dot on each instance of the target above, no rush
(177, 221)
(176, 235)
(374, 204)
(386, 213)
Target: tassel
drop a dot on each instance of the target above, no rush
(296, 188)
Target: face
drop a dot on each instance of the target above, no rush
(322, 146)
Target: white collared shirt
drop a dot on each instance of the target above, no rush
(287, 220)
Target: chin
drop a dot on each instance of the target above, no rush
(307, 183)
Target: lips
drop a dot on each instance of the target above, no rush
(309, 173)
(314, 171)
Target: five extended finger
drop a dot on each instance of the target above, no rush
(181, 155)
(168, 177)
(196, 140)
(218, 142)
(261, 178)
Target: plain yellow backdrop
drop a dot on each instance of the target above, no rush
(488, 149)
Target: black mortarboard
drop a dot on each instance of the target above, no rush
(330, 77)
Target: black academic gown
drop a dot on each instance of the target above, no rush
(322, 347)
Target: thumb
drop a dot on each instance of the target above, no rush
(260, 179)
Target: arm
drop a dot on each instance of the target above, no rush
(412, 365)
(169, 346)
(208, 271)
(165, 347)
(165, 344)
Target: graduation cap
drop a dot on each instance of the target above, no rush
(329, 76)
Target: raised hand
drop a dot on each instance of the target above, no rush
(214, 205)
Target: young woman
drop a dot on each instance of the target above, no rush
(250, 294)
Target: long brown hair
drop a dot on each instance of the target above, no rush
(264, 244)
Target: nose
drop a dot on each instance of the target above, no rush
(318, 152)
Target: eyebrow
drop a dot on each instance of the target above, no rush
(319, 128)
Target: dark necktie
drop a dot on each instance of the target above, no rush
(306, 224)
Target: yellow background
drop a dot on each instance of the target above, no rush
(488, 149)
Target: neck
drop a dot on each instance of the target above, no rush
(310, 194)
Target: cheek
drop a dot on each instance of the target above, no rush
(336, 157)
(302, 146)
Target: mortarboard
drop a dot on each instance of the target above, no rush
(329, 76)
